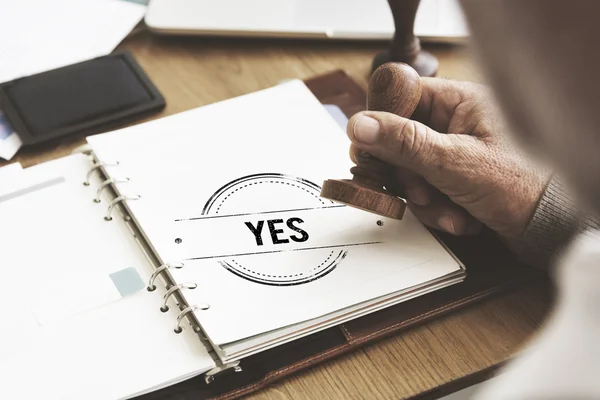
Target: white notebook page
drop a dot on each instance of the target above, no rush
(252, 345)
(66, 331)
(210, 175)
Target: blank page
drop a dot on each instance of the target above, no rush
(77, 320)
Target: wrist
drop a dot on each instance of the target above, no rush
(525, 199)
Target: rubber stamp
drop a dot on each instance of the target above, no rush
(395, 88)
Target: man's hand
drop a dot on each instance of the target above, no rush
(454, 161)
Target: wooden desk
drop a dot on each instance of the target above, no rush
(193, 72)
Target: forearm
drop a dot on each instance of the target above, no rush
(555, 222)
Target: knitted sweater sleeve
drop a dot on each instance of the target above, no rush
(555, 222)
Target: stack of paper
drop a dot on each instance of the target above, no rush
(39, 35)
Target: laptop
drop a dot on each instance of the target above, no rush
(436, 20)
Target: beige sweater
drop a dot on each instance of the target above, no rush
(563, 361)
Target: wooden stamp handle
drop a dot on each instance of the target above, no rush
(393, 88)
(406, 46)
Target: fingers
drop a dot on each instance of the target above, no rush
(439, 94)
(398, 141)
(406, 184)
(416, 190)
(354, 150)
(440, 98)
(429, 205)
(444, 215)
(402, 142)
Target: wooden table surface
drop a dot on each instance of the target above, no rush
(192, 72)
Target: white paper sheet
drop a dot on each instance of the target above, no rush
(255, 158)
(39, 35)
(56, 250)
(10, 171)
(255, 344)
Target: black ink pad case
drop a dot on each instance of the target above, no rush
(86, 97)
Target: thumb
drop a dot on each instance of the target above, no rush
(405, 143)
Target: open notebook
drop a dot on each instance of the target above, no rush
(220, 206)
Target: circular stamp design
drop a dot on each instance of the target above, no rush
(263, 196)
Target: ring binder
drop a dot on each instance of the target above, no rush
(162, 268)
(151, 286)
(184, 312)
(105, 184)
(210, 375)
(96, 166)
(115, 202)
(170, 291)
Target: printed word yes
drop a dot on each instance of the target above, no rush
(278, 236)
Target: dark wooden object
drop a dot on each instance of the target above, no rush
(395, 88)
(406, 47)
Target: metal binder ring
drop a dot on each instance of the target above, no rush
(210, 375)
(95, 167)
(117, 200)
(165, 307)
(186, 311)
(151, 286)
(105, 184)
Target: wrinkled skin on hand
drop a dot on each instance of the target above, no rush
(454, 161)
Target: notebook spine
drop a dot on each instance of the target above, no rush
(187, 311)
(173, 290)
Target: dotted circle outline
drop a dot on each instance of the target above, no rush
(271, 181)
(284, 276)
(276, 276)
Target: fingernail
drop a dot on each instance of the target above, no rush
(447, 223)
(366, 130)
(418, 196)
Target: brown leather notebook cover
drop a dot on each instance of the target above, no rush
(491, 269)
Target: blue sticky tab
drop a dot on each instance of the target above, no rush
(127, 281)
